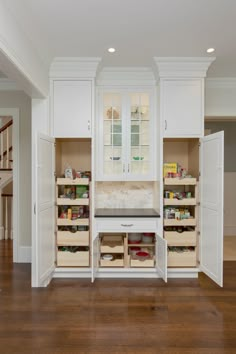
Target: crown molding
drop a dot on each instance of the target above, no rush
(8, 85)
(74, 67)
(181, 67)
(221, 83)
(130, 76)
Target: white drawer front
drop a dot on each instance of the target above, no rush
(127, 224)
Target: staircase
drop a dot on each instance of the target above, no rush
(6, 176)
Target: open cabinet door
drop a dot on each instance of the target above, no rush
(161, 257)
(43, 242)
(95, 255)
(211, 206)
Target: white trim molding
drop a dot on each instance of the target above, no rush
(182, 67)
(19, 59)
(119, 76)
(24, 255)
(74, 67)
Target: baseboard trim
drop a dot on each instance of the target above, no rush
(24, 254)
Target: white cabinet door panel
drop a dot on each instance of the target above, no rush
(72, 108)
(95, 256)
(182, 108)
(43, 242)
(161, 257)
(211, 218)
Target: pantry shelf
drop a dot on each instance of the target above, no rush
(68, 201)
(180, 181)
(180, 202)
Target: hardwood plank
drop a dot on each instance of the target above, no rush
(185, 316)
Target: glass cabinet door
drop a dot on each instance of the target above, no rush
(113, 160)
(139, 128)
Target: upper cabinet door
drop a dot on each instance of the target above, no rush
(182, 107)
(72, 108)
(125, 136)
(139, 138)
(111, 137)
(211, 217)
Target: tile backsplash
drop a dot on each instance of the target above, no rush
(126, 195)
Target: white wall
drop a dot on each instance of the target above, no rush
(18, 99)
(220, 97)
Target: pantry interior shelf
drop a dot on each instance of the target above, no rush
(180, 202)
(68, 201)
(180, 181)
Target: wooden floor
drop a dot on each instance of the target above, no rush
(73, 316)
(230, 248)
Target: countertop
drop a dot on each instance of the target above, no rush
(126, 213)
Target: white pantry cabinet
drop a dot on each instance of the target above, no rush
(182, 108)
(113, 237)
(125, 135)
(195, 239)
(71, 108)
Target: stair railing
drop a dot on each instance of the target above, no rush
(6, 146)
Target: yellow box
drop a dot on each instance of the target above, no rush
(170, 167)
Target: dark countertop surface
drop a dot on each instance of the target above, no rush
(127, 213)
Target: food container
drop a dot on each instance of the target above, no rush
(142, 256)
(134, 250)
(134, 238)
(148, 237)
(107, 257)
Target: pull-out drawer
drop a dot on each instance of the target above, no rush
(186, 238)
(67, 238)
(182, 259)
(112, 244)
(127, 224)
(73, 259)
(116, 262)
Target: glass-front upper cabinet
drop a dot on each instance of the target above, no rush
(113, 145)
(125, 135)
(139, 138)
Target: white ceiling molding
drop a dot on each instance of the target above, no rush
(74, 67)
(221, 83)
(131, 76)
(8, 85)
(19, 59)
(182, 67)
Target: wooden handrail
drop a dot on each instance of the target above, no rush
(7, 195)
(5, 152)
(6, 126)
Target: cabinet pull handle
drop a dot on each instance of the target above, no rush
(127, 225)
(128, 167)
(123, 167)
(165, 124)
(88, 124)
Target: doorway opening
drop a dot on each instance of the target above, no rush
(228, 125)
(9, 182)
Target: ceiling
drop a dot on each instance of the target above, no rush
(138, 29)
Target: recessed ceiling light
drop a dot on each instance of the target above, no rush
(210, 50)
(111, 50)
